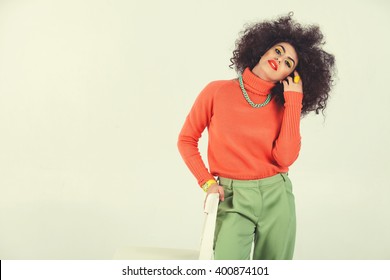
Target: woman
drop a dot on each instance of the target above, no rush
(253, 124)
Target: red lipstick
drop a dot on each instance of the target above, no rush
(273, 64)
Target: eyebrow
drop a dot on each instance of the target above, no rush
(284, 50)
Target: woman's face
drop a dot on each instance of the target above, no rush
(277, 63)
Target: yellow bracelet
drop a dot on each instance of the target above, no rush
(207, 185)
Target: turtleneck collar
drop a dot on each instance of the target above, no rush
(255, 84)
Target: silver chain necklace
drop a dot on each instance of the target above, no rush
(254, 105)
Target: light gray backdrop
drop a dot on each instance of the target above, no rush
(94, 93)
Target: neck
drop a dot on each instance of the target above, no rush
(257, 70)
(255, 84)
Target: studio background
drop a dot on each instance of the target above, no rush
(93, 95)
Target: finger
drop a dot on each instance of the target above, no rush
(221, 194)
(297, 79)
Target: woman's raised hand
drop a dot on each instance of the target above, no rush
(290, 84)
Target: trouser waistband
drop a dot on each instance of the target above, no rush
(259, 182)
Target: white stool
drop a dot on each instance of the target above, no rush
(155, 253)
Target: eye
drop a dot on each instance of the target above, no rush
(289, 63)
(278, 50)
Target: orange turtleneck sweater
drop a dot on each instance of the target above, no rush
(245, 143)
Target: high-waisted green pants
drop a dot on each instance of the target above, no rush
(259, 213)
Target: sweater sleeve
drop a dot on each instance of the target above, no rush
(197, 120)
(288, 144)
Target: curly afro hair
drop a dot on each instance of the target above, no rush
(316, 67)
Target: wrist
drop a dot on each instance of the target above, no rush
(208, 184)
(293, 97)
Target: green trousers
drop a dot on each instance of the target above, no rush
(256, 216)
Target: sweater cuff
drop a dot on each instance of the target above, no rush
(199, 170)
(293, 97)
